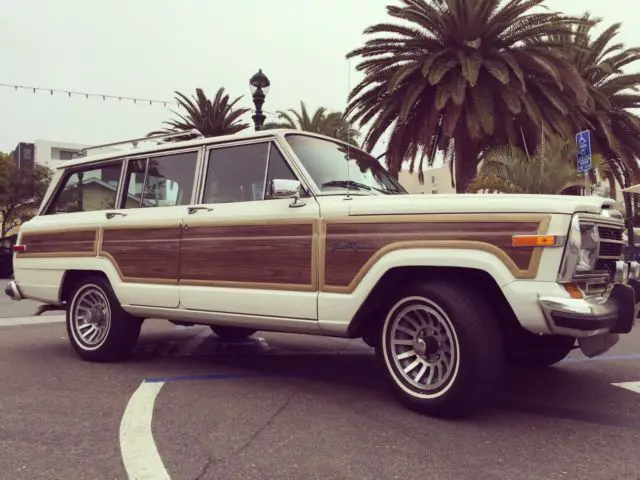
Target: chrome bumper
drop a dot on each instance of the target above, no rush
(12, 291)
(586, 317)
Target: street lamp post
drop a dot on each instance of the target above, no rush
(259, 84)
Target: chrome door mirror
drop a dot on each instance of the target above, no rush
(284, 188)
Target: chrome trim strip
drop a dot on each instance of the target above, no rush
(263, 323)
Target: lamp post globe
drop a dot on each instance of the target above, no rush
(259, 84)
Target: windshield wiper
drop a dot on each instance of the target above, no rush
(347, 184)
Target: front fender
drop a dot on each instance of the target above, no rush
(337, 309)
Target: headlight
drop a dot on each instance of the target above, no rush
(582, 250)
(589, 249)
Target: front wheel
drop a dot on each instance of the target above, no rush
(99, 329)
(441, 349)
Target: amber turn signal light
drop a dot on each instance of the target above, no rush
(573, 290)
(534, 241)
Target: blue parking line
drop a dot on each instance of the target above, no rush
(234, 376)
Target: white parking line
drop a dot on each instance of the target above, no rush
(137, 446)
(631, 386)
(21, 321)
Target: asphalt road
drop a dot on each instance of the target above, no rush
(296, 407)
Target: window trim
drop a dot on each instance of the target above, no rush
(266, 172)
(46, 210)
(271, 143)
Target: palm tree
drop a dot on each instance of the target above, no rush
(615, 130)
(327, 123)
(211, 117)
(461, 70)
(549, 170)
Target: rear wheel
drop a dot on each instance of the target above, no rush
(232, 334)
(441, 349)
(99, 329)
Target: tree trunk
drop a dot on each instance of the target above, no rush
(612, 184)
(466, 164)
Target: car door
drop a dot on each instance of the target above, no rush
(244, 251)
(142, 238)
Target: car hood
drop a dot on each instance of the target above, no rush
(477, 203)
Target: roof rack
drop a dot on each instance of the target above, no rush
(162, 137)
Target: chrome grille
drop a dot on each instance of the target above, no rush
(610, 233)
(611, 244)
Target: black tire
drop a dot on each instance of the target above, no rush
(121, 330)
(475, 349)
(232, 334)
(537, 351)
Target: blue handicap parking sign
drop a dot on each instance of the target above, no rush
(583, 140)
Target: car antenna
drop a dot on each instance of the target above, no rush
(346, 126)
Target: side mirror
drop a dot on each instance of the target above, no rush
(284, 188)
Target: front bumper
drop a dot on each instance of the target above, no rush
(584, 317)
(12, 291)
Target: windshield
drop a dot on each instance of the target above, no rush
(334, 171)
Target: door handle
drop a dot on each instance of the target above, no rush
(110, 215)
(192, 210)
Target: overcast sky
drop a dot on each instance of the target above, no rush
(150, 48)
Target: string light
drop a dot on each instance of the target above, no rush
(135, 100)
(71, 93)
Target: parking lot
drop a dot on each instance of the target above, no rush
(283, 406)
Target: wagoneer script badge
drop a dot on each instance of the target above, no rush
(354, 246)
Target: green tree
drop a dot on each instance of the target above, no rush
(21, 191)
(211, 117)
(462, 70)
(332, 124)
(615, 129)
(548, 170)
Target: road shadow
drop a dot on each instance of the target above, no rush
(573, 391)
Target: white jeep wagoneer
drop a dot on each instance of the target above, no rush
(289, 231)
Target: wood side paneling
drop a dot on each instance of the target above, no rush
(349, 247)
(53, 243)
(278, 254)
(144, 254)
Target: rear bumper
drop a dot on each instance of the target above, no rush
(614, 313)
(12, 291)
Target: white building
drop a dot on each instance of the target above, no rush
(436, 180)
(51, 154)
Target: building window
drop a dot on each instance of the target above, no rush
(434, 191)
(433, 179)
(66, 154)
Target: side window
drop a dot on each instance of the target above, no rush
(165, 181)
(88, 190)
(236, 174)
(278, 169)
